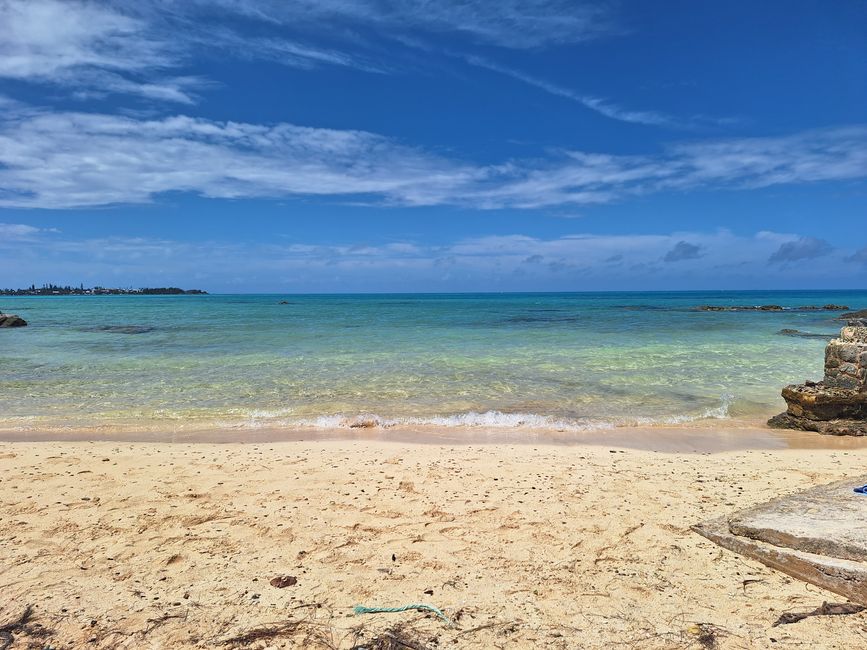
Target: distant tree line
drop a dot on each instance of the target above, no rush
(57, 290)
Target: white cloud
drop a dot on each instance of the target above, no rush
(98, 83)
(96, 48)
(40, 38)
(126, 46)
(91, 48)
(86, 45)
(816, 155)
(64, 160)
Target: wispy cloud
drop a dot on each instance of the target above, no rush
(507, 23)
(596, 104)
(600, 105)
(816, 155)
(118, 47)
(130, 47)
(17, 232)
(87, 46)
(740, 163)
(44, 37)
(64, 160)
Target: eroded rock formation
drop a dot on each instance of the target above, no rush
(837, 405)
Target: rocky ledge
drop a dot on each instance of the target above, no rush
(855, 318)
(771, 308)
(837, 405)
(11, 320)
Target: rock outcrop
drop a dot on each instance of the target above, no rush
(837, 405)
(772, 308)
(857, 318)
(11, 320)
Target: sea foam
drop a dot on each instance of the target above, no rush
(493, 419)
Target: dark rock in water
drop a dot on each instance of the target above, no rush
(861, 314)
(805, 335)
(837, 405)
(740, 308)
(122, 329)
(11, 320)
(283, 302)
(770, 308)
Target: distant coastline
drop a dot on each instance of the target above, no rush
(55, 290)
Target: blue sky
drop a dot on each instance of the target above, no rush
(458, 145)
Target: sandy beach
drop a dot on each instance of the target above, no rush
(431, 325)
(123, 544)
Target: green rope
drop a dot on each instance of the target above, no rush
(361, 609)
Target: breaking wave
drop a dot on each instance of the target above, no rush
(472, 419)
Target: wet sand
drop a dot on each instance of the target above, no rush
(159, 545)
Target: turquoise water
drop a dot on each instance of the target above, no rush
(562, 361)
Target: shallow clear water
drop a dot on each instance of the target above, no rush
(530, 360)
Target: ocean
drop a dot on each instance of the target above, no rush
(565, 361)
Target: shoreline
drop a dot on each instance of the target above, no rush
(713, 436)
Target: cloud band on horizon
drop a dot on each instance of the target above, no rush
(565, 263)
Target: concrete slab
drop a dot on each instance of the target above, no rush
(828, 520)
(843, 577)
(818, 535)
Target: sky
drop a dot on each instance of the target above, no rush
(421, 145)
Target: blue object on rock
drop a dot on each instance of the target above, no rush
(861, 490)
